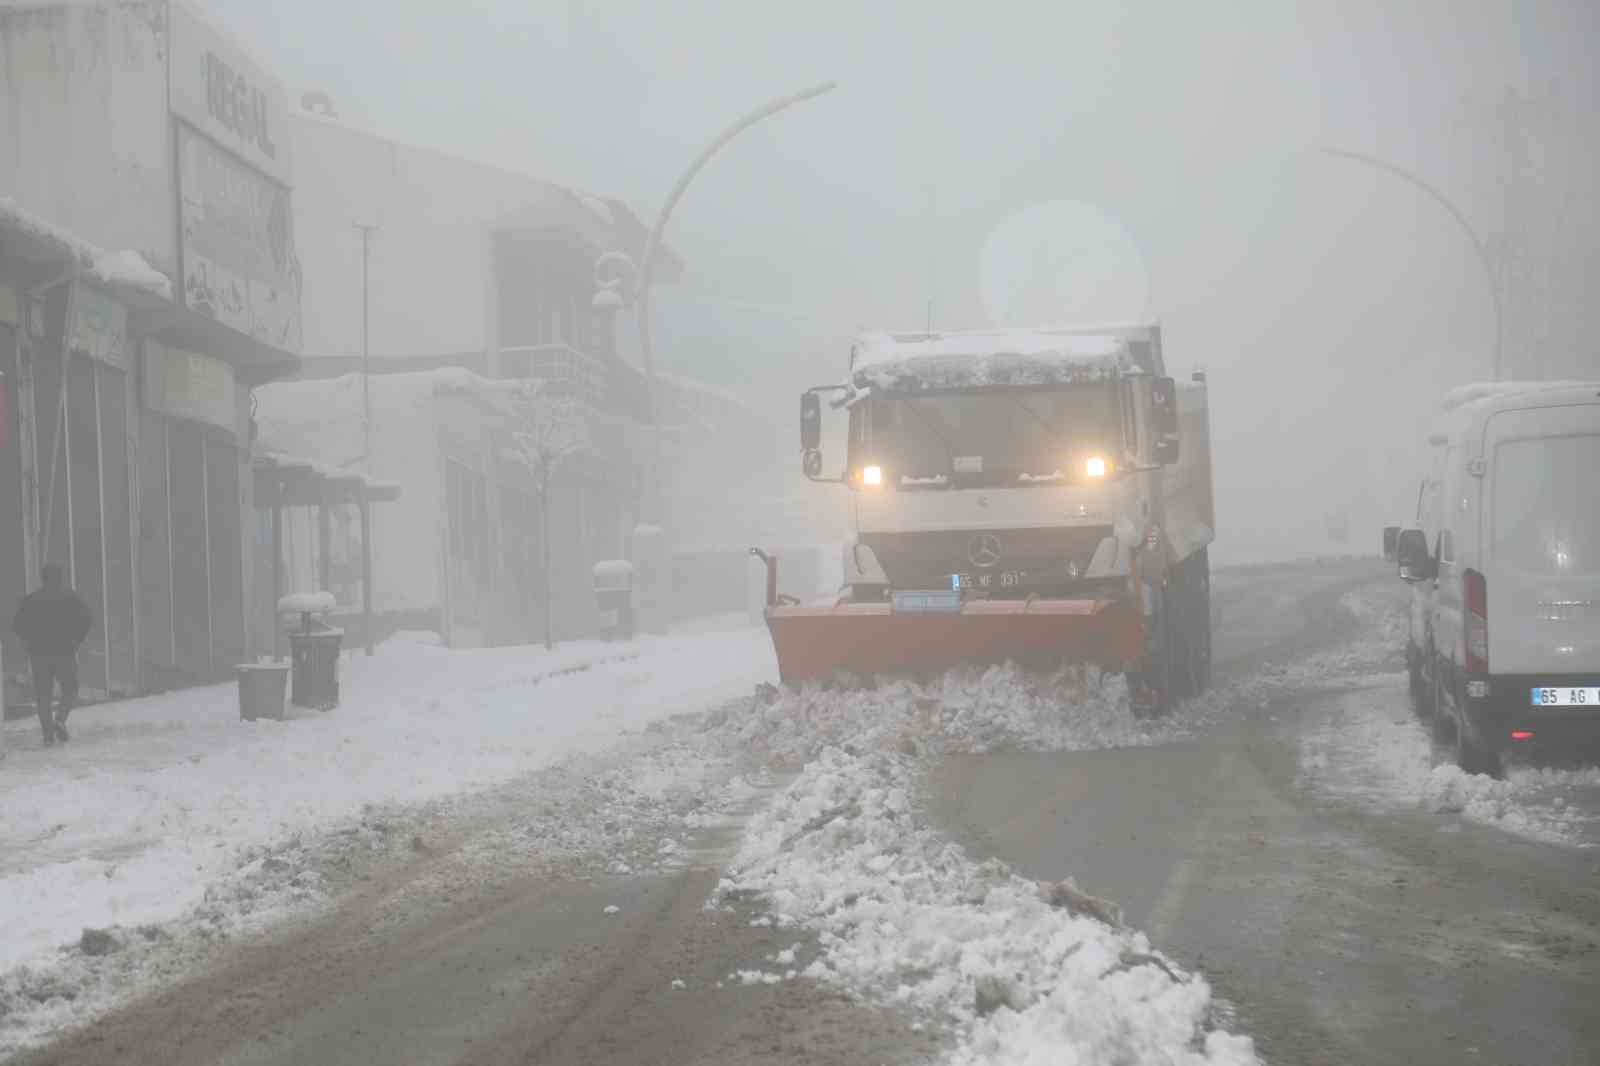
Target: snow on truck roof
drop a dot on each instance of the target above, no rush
(918, 361)
(1465, 395)
(1463, 405)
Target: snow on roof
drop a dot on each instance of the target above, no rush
(916, 361)
(324, 470)
(124, 269)
(1465, 395)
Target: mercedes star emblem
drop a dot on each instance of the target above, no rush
(983, 551)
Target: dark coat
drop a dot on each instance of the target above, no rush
(52, 622)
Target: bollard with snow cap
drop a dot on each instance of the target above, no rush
(613, 593)
(313, 651)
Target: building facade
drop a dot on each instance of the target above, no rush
(148, 282)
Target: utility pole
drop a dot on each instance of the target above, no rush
(366, 432)
(933, 214)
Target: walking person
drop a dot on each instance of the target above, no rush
(51, 623)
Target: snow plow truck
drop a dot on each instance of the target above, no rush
(1040, 496)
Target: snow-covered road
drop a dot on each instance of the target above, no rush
(898, 872)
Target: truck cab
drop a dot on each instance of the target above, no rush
(1015, 477)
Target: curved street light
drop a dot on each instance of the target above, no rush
(1461, 220)
(648, 265)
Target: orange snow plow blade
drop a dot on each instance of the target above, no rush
(814, 643)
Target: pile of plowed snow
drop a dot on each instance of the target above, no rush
(1368, 747)
(906, 918)
(1001, 708)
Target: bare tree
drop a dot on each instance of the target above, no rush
(554, 433)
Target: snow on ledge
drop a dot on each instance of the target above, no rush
(124, 269)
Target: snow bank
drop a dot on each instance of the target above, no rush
(1370, 749)
(908, 919)
(1001, 708)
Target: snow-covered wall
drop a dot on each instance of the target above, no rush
(83, 121)
(430, 268)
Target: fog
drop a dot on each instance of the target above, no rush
(1030, 163)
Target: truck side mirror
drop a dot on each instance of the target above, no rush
(1411, 549)
(810, 422)
(1164, 412)
(1391, 537)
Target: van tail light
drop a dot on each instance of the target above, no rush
(1475, 598)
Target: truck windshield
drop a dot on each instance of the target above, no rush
(988, 437)
(1546, 514)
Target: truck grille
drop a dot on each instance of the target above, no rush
(926, 560)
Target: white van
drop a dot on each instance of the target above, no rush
(1504, 561)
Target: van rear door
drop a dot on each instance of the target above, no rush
(1541, 538)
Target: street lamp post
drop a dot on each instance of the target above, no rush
(1461, 220)
(648, 265)
(366, 432)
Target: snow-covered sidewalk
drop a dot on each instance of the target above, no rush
(155, 799)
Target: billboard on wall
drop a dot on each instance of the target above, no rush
(190, 385)
(239, 261)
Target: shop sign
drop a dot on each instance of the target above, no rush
(100, 326)
(190, 385)
(218, 89)
(239, 261)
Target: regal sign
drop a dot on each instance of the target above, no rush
(220, 91)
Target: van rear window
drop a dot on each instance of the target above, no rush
(1546, 500)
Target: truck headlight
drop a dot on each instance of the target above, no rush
(1095, 467)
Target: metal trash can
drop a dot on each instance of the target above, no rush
(261, 690)
(314, 657)
(613, 593)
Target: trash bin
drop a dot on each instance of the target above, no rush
(314, 656)
(613, 593)
(261, 690)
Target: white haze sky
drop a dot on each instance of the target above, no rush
(1331, 303)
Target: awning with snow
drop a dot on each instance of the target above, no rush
(292, 481)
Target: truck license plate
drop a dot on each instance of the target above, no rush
(1005, 579)
(1566, 697)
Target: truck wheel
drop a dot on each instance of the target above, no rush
(1201, 618)
(1154, 685)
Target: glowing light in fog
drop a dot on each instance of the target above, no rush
(872, 475)
(1097, 467)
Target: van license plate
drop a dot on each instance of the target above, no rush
(1566, 697)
